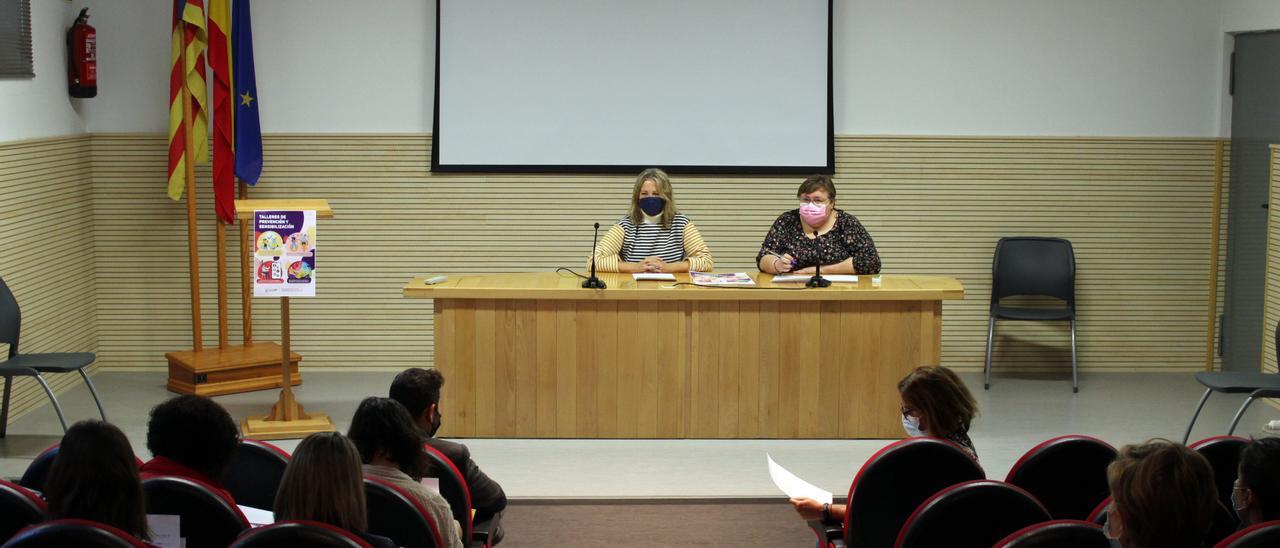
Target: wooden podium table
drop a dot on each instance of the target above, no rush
(533, 355)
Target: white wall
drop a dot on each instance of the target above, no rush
(41, 107)
(1250, 15)
(979, 67)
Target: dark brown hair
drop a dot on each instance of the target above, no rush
(416, 389)
(1260, 473)
(944, 403)
(1164, 494)
(818, 182)
(323, 482)
(95, 477)
(382, 424)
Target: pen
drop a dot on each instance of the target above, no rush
(781, 256)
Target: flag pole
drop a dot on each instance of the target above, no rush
(222, 282)
(246, 271)
(193, 245)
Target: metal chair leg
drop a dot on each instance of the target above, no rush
(4, 408)
(986, 369)
(1196, 415)
(1075, 377)
(53, 399)
(93, 391)
(1239, 413)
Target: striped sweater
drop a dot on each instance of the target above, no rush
(626, 242)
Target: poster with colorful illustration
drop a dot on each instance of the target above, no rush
(284, 257)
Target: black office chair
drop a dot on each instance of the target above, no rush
(32, 365)
(1063, 533)
(1067, 474)
(19, 508)
(974, 514)
(254, 475)
(207, 520)
(1256, 385)
(1262, 535)
(73, 532)
(1033, 266)
(287, 534)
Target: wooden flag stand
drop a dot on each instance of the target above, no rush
(287, 418)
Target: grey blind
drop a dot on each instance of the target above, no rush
(15, 39)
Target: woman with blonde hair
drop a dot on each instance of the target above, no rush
(323, 482)
(653, 236)
(1163, 496)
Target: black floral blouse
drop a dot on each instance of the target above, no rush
(846, 239)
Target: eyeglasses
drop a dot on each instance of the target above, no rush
(908, 411)
(817, 202)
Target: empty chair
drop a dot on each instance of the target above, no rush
(1223, 454)
(32, 365)
(975, 513)
(208, 520)
(397, 515)
(1256, 385)
(453, 487)
(1037, 267)
(287, 534)
(73, 532)
(1067, 474)
(1062, 533)
(19, 508)
(1261, 535)
(253, 477)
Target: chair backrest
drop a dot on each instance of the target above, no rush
(10, 319)
(33, 478)
(206, 518)
(254, 475)
(396, 514)
(1067, 474)
(1062, 533)
(974, 514)
(1099, 513)
(893, 483)
(73, 532)
(19, 508)
(1029, 265)
(1259, 535)
(453, 487)
(1223, 454)
(287, 534)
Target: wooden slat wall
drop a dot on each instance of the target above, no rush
(1137, 211)
(1271, 302)
(47, 254)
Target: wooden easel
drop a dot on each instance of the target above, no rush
(287, 418)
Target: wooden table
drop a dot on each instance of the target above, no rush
(533, 355)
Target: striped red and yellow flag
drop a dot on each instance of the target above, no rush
(188, 35)
(224, 161)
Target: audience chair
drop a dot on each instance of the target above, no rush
(1067, 474)
(38, 470)
(73, 532)
(1099, 514)
(1032, 266)
(1223, 454)
(288, 534)
(253, 477)
(1256, 385)
(1062, 533)
(453, 487)
(32, 365)
(396, 514)
(892, 484)
(208, 520)
(1261, 535)
(972, 514)
(19, 508)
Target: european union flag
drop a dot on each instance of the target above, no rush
(248, 129)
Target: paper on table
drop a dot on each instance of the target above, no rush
(662, 276)
(793, 486)
(257, 517)
(166, 530)
(841, 278)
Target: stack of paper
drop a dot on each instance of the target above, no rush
(709, 279)
(836, 278)
(660, 276)
(793, 486)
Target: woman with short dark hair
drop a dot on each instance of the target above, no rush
(323, 483)
(95, 477)
(816, 233)
(192, 437)
(1256, 494)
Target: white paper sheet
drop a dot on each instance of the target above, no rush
(257, 517)
(793, 486)
(659, 276)
(836, 278)
(166, 530)
(431, 483)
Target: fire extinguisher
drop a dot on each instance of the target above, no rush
(82, 57)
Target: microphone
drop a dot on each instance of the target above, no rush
(817, 280)
(593, 282)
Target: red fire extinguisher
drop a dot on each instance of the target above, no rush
(82, 57)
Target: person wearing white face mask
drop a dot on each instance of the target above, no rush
(1256, 493)
(654, 236)
(1163, 497)
(816, 233)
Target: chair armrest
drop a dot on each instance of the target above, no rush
(827, 532)
(482, 531)
(838, 543)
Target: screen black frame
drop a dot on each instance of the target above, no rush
(620, 169)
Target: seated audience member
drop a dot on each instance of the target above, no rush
(323, 483)
(418, 390)
(1256, 496)
(935, 403)
(391, 450)
(95, 477)
(191, 437)
(1163, 496)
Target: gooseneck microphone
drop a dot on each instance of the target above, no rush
(817, 280)
(593, 282)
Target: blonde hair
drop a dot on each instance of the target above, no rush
(663, 183)
(324, 482)
(1164, 493)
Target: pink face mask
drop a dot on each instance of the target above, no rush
(813, 214)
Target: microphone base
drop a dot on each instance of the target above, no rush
(818, 281)
(596, 283)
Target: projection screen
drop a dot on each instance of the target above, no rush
(614, 86)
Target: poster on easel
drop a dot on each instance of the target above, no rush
(284, 257)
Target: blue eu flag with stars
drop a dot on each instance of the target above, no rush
(247, 128)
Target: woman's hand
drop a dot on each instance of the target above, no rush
(654, 264)
(783, 264)
(808, 270)
(809, 509)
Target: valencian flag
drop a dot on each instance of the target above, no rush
(224, 162)
(188, 35)
(248, 131)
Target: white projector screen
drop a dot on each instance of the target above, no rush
(614, 86)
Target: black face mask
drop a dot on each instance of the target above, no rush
(653, 205)
(435, 422)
